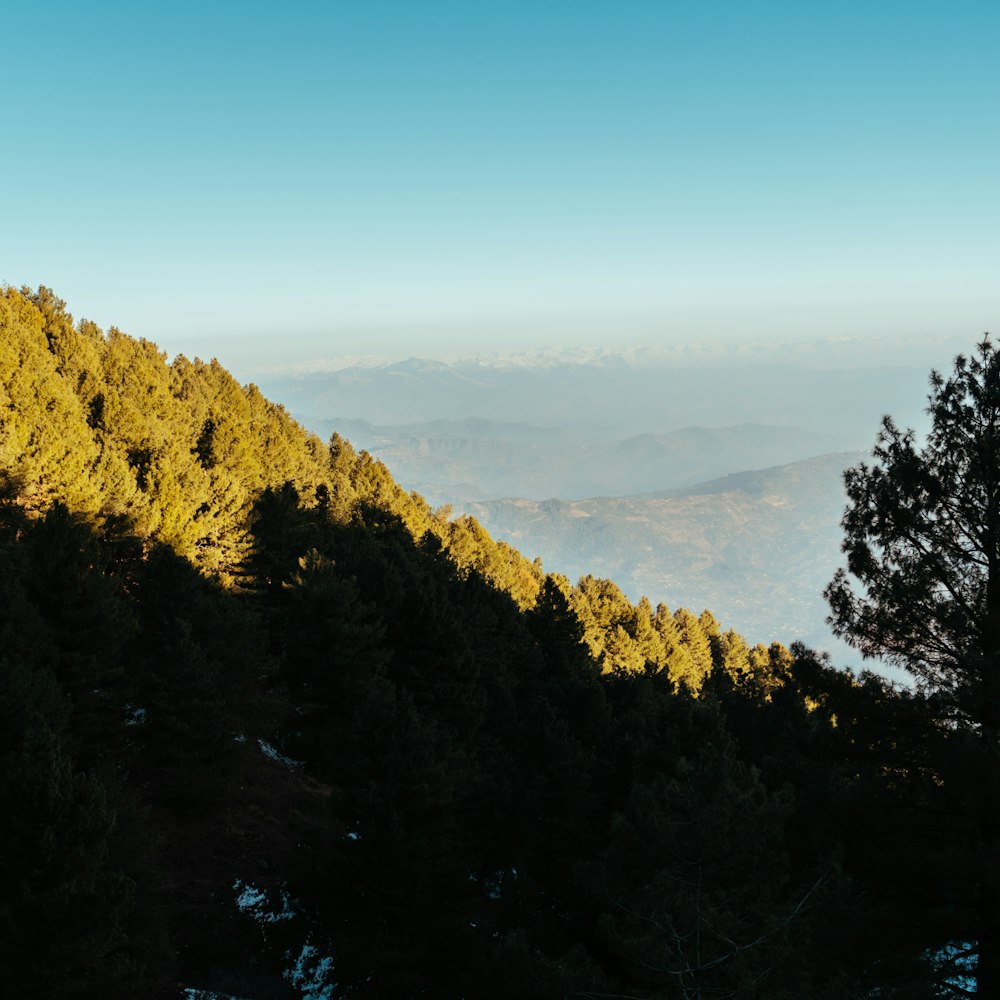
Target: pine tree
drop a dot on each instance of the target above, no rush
(45, 441)
(696, 646)
(922, 537)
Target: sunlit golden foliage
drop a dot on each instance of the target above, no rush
(181, 451)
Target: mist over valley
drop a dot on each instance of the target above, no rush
(703, 487)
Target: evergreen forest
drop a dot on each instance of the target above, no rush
(272, 727)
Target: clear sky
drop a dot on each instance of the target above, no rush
(317, 179)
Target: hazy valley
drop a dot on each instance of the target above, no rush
(633, 471)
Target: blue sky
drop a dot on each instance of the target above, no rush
(314, 179)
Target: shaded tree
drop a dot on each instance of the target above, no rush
(700, 897)
(64, 900)
(922, 538)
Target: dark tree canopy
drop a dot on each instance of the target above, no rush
(234, 657)
(922, 536)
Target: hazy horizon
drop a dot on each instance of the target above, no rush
(844, 353)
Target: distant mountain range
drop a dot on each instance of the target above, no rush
(624, 399)
(450, 461)
(844, 352)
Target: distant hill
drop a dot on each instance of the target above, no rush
(458, 461)
(756, 547)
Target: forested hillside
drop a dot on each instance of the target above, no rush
(273, 727)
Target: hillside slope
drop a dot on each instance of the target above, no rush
(756, 547)
(271, 727)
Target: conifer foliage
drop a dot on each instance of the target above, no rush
(240, 663)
